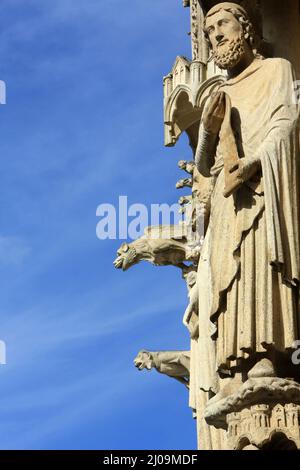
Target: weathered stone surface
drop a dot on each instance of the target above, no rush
(252, 241)
(234, 99)
(258, 390)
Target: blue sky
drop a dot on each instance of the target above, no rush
(82, 125)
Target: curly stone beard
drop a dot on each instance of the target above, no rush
(230, 54)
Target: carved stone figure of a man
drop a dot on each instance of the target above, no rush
(252, 249)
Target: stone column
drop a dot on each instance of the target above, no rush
(281, 28)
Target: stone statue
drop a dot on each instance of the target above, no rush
(241, 117)
(175, 364)
(249, 141)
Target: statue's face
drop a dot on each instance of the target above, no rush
(227, 40)
(222, 28)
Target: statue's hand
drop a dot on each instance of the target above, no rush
(245, 169)
(214, 114)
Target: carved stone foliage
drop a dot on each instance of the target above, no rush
(195, 32)
(184, 183)
(184, 200)
(187, 166)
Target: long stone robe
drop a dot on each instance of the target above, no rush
(251, 261)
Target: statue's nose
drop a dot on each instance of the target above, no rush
(219, 37)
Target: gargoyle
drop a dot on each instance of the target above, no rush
(174, 364)
(161, 246)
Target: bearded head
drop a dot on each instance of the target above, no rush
(230, 34)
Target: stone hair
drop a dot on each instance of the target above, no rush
(248, 29)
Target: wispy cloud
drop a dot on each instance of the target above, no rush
(82, 124)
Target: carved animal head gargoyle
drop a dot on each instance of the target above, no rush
(144, 360)
(154, 248)
(127, 257)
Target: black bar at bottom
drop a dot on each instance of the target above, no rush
(148, 458)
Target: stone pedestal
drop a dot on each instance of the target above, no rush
(265, 425)
(263, 413)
